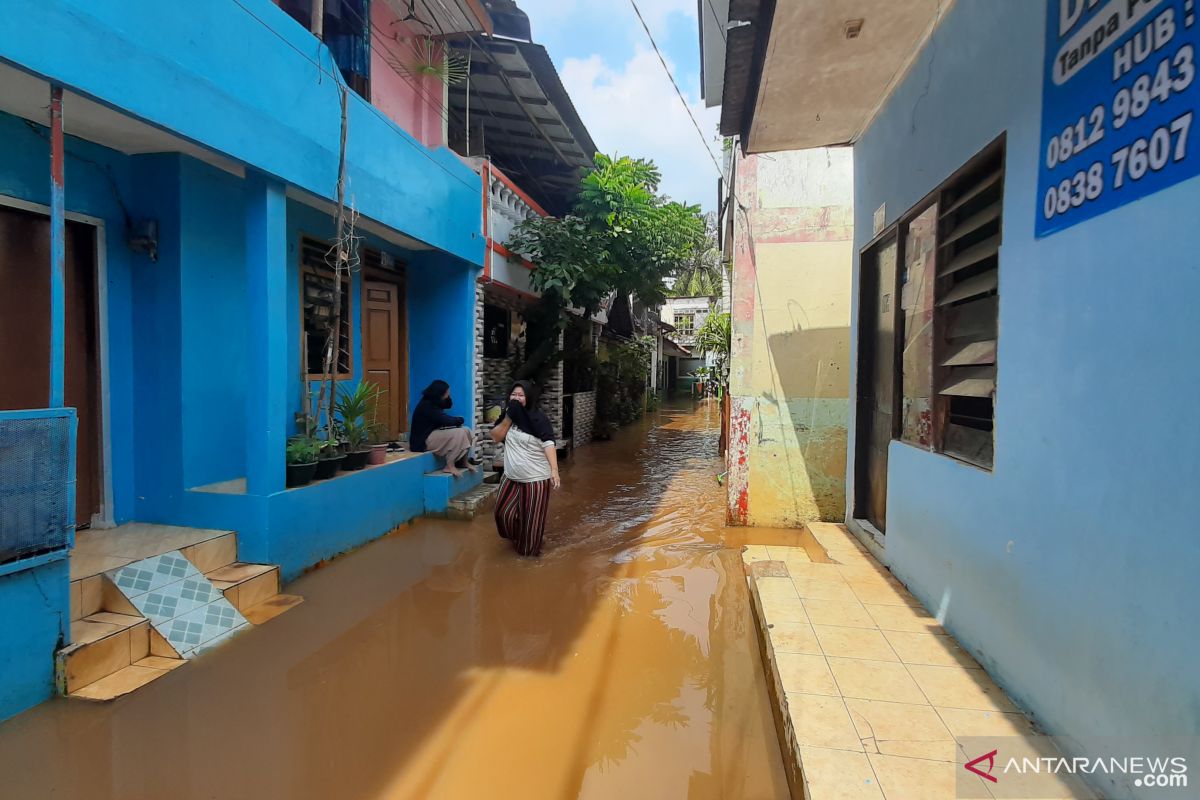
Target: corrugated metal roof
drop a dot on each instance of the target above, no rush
(515, 110)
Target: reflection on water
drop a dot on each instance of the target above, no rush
(436, 664)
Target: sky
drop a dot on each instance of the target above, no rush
(620, 89)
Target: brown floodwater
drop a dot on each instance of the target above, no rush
(434, 663)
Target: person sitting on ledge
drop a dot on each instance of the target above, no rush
(435, 431)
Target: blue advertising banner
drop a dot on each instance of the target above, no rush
(1118, 105)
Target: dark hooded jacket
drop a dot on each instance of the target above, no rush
(529, 418)
(429, 415)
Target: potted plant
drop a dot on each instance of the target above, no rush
(353, 406)
(377, 431)
(329, 461)
(378, 452)
(302, 454)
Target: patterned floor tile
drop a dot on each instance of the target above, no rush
(176, 599)
(212, 644)
(201, 625)
(152, 573)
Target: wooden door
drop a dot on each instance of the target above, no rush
(385, 362)
(25, 336)
(876, 383)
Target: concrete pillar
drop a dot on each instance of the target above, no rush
(266, 304)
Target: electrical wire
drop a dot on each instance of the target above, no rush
(383, 40)
(678, 93)
(337, 77)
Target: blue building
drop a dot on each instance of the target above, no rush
(200, 166)
(1025, 180)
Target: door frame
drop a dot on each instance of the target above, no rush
(105, 517)
(400, 281)
(892, 232)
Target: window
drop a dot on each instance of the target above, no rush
(950, 312)
(685, 324)
(916, 324)
(495, 331)
(316, 309)
(347, 33)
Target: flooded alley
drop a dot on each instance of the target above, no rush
(436, 664)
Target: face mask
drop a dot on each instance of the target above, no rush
(447, 402)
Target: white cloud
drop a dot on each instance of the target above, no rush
(633, 110)
(656, 12)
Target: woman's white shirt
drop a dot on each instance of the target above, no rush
(525, 458)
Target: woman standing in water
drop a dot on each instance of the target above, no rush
(530, 470)
(435, 431)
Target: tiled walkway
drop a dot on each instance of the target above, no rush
(873, 692)
(98, 551)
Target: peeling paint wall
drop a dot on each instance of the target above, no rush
(792, 267)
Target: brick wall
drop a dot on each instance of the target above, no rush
(585, 418)
(552, 397)
(493, 376)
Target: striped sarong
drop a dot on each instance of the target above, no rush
(521, 514)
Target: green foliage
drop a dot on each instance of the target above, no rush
(715, 334)
(356, 407)
(329, 449)
(715, 337)
(621, 383)
(302, 450)
(621, 237)
(701, 274)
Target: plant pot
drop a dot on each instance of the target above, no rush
(300, 474)
(328, 467)
(377, 455)
(355, 461)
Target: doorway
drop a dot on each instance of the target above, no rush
(25, 336)
(876, 414)
(385, 347)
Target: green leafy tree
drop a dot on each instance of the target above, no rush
(702, 272)
(622, 237)
(715, 337)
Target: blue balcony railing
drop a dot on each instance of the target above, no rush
(37, 483)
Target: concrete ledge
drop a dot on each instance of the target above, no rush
(789, 748)
(440, 487)
(872, 698)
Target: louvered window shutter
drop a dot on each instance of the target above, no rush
(967, 310)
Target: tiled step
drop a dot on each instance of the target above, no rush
(104, 644)
(212, 554)
(182, 604)
(246, 585)
(271, 608)
(137, 622)
(127, 679)
(473, 502)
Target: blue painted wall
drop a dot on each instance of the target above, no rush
(178, 329)
(100, 182)
(157, 344)
(185, 68)
(1070, 570)
(36, 605)
(214, 323)
(441, 309)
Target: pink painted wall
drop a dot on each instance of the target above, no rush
(414, 102)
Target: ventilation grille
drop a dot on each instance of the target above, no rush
(37, 482)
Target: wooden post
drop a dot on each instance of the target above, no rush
(58, 238)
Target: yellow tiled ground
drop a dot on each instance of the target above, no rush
(873, 691)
